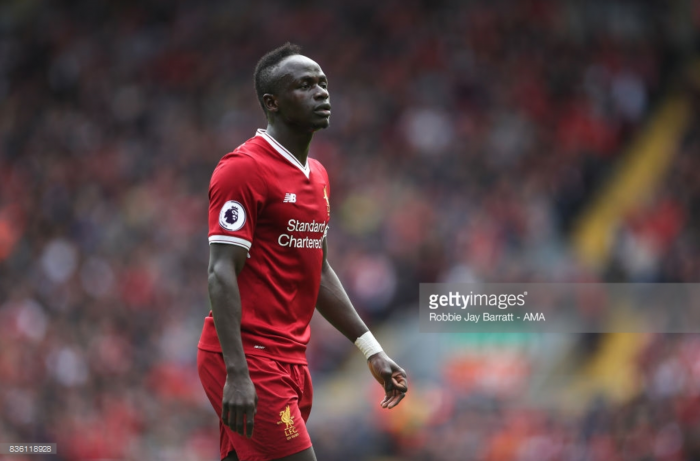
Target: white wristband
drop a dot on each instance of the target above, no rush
(368, 345)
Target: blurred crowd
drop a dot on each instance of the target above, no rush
(659, 241)
(661, 423)
(465, 139)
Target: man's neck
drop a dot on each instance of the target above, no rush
(295, 142)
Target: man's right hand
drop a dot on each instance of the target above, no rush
(239, 404)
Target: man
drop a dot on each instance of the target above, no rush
(268, 220)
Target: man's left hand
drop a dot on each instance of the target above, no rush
(391, 376)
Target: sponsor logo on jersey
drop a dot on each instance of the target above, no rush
(294, 241)
(289, 198)
(287, 419)
(232, 216)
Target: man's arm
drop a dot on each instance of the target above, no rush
(240, 399)
(335, 306)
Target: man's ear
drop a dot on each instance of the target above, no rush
(270, 102)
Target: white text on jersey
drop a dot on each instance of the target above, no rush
(290, 240)
(299, 226)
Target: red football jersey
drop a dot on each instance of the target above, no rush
(263, 199)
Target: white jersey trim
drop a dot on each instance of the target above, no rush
(284, 152)
(230, 240)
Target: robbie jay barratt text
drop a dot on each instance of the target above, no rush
(487, 317)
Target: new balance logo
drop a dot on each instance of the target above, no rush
(290, 198)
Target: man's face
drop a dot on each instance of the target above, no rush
(302, 98)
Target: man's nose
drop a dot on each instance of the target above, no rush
(322, 93)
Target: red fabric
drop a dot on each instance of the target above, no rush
(278, 385)
(283, 216)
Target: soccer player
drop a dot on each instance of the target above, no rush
(268, 223)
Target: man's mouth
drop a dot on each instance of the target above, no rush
(324, 109)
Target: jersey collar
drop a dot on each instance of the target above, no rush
(284, 152)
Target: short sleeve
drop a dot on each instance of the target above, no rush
(237, 194)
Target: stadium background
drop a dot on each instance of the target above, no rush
(535, 140)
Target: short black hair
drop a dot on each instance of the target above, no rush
(264, 83)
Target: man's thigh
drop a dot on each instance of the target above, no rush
(306, 455)
(279, 430)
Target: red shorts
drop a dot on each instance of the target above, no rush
(278, 385)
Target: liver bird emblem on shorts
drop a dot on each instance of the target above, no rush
(286, 418)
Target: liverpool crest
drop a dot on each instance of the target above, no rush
(286, 417)
(328, 203)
